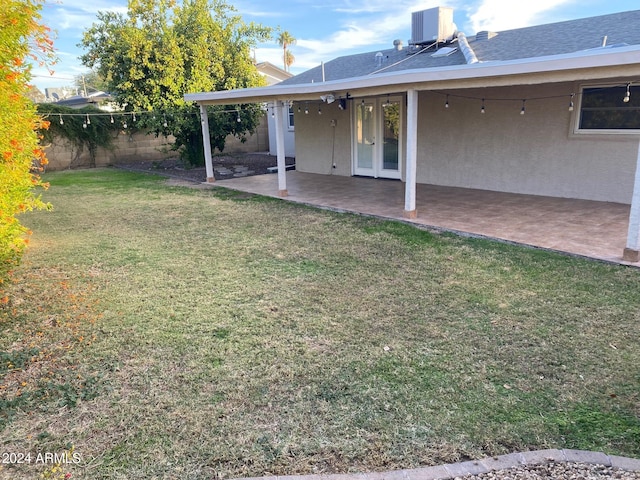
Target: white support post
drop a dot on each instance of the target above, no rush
(632, 252)
(208, 160)
(282, 167)
(412, 155)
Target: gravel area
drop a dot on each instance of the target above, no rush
(224, 166)
(560, 471)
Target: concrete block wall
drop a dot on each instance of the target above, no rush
(63, 155)
(258, 142)
(141, 147)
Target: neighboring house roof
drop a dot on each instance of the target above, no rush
(272, 73)
(79, 101)
(564, 51)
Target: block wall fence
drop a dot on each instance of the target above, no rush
(141, 147)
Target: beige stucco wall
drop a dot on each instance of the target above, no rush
(319, 144)
(501, 150)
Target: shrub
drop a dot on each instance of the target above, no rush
(22, 37)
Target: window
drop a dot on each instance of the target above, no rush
(291, 118)
(603, 109)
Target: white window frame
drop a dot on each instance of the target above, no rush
(290, 119)
(577, 115)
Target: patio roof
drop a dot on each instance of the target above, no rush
(600, 63)
(579, 227)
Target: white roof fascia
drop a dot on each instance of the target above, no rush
(421, 78)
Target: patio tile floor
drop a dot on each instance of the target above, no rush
(581, 227)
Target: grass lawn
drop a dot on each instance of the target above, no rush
(168, 332)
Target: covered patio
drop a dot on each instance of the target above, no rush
(580, 227)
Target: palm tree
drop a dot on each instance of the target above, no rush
(288, 59)
(284, 40)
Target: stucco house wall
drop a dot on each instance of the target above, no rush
(536, 153)
(319, 144)
(501, 150)
(289, 136)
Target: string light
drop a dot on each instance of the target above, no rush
(306, 109)
(134, 117)
(627, 96)
(238, 119)
(482, 107)
(446, 103)
(88, 120)
(61, 120)
(319, 109)
(522, 111)
(112, 121)
(164, 120)
(571, 102)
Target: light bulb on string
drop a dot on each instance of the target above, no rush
(306, 109)
(88, 120)
(238, 119)
(571, 102)
(133, 117)
(627, 95)
(112, 120)
(482, 107)
(522, 110)
(124, 123)
(446, 103)
(319, 110)
(273, 112)
(164, 123)
(61, 120)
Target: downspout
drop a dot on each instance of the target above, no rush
(465, 48)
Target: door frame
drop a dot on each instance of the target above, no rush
(377, 170)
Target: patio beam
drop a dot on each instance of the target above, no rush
(632, 252)
(412, 155)
(206, 140)
(282, 167)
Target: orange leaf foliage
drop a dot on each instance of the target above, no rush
(20, 34)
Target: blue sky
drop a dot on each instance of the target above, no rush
(325, 29)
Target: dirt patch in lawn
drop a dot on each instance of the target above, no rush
(224, 166)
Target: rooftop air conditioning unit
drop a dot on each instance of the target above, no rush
(433, 25)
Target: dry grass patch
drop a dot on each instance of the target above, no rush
(243, 336)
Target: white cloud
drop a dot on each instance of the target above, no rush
(358, 31)
(93, 6)
(507, 14)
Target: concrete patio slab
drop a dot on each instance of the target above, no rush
(580, 227)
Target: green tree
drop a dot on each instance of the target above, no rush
(22, 37)
(285, 39)
(90, 82)
(161, 50)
